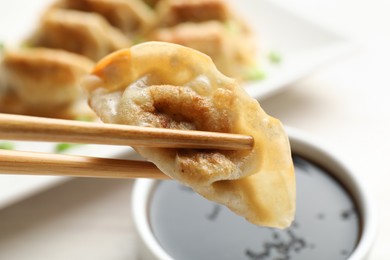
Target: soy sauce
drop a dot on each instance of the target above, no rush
(326, 226)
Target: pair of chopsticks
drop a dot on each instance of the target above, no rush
(28, 128)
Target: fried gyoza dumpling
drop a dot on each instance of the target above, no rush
(210, 27)
(87, 34)
(42, 81)
(170, 86)
(231, 55)
(173, 12)
(131, 17)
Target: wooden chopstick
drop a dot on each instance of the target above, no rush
(28, 128)
(32, 163)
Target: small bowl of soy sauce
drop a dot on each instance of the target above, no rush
(335, 216)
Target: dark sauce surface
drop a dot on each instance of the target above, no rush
(190, 227)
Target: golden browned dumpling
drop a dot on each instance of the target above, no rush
(231, 55)
(174, 12)
(132, 17)
(42, 81)
(87, 34)
(170, 86)
(211, 27)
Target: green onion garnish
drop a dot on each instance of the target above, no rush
(274, 57)
(7, 146)
(2, 47)
(62, 147)
(84, 118)
(255, 73)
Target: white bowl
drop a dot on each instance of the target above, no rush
(302, 145)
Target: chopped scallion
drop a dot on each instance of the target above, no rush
(274, 57)
(62, 147)
(255, 73)
(85, 118)
(7, 146)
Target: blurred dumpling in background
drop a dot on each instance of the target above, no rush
(174, 12)
(132, 17)
(87, 34)
(43, 82)
(213, 39)
(211, 27)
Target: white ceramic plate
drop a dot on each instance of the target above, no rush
(302, 45)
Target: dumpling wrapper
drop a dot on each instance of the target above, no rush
(88, 34)
(43, 82)
(166, 85)
(212, 27)
(131, 17)
(234, 55)
(45, 77)
(174, 12)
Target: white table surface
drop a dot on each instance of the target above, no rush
(346, 104)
